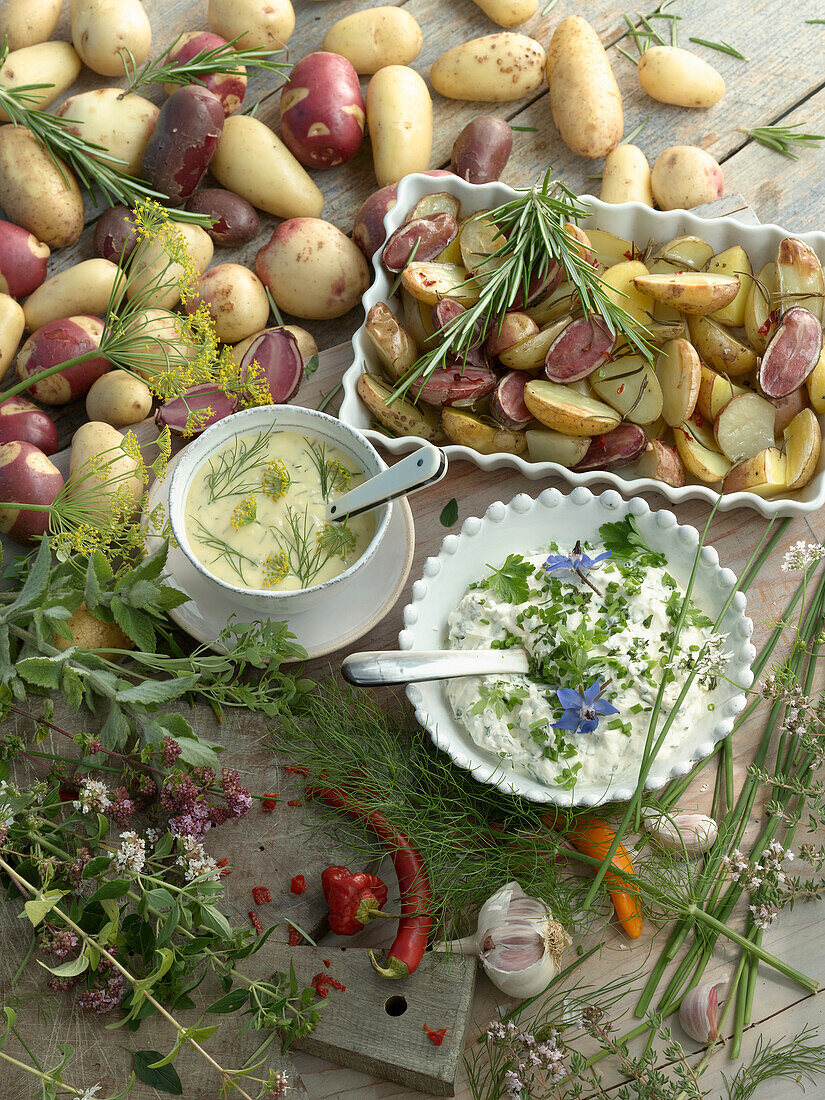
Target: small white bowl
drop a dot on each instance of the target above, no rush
(525, 526)
(287, 418)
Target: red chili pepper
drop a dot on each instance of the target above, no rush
(435, 1037)
(294, 937)
(327, 962)
(414, 926)
(295, 802)
(223, 864)
(621, 388)
(353, 899)
(269, 802)
(322, 983)
(260, 895)
(256, 924)
(298, 884)
(295, 771)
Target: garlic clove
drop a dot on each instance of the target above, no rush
(681, 832)
(698, 1012)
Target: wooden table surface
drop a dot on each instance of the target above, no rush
(783, 81)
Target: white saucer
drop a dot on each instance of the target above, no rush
(339, 622)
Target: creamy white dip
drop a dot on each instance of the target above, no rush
(622, 636)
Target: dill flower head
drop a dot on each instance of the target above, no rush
(276, 567)
(338, 476)
(164, 446)
(245, 512)
(256, 389)
(276, 479)
(336, 538)
(196, 421)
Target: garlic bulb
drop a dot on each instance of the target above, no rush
(519, 943)
(682, 832)
(698, 1012)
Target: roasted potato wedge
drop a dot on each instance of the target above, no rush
(720, 349)
(610, 249)
(697, 449)
(580, 348)
(439, 203)
(614, 449)
(792, 353)
(679, 372)
(622, 289)
(429, 282)
(560, 302)
(401, 417)
(803, 444)
(696, 292)
(529, 354)
(815, 383)
(733, 261)
(661, 462)
(471, 431)
(564, 410)
(787, 407)
(508, 331)
(760, 319)
(799, 277)
(545, 445)
(631, 387)
(478, 239)
(715, 390)
(765, 474)
(745, 426)
(686, 252)
(395, 348)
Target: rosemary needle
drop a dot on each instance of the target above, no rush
(634, 133)
(223, 59)
(722, 47)
(783, 138)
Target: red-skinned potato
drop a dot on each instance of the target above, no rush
(120, 122)
(56, 343)
(12, 323)
(312, 269)
(368, 230)
(230, 88)
(788, 407)
(279, 363)
(322, 111)
(183, 142)
(614, 449)
(38, 193)
(22, 420)
(456, 385)
(507, 403)
(236, 301)
(792, 353)
(23, 260)
(426, 237)
(581, 348)
(482, 149)
(306, 342)
(26, 477)
(114, 234)
(234, 220)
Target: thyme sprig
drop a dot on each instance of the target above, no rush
(784, 138)
(225, 59)
(95, 167)
(535, 237)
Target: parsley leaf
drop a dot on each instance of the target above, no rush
(511, 583)
(625, 541)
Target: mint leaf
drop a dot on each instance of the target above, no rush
(164, 1079)
(511, 583)
(625, 542)
(449, 513)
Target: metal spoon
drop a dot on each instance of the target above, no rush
(417, 665)
(423, 467)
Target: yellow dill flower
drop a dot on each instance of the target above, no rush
(276, 567)
(245, 512)
(276, 479)
(338, 476)
(196, 421)
(164, 446)
(130, 447)
(156, 518)
(99, 465)
(256, 389)
(83, 539)
(336, 538)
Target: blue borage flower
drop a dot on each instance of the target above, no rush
(576, 561)
(583, 711)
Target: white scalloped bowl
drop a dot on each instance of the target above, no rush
(632, 221)
(526, 525)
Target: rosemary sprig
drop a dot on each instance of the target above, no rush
(96, 168)
(223, 59)
(783, 138)
(533, 228)
(722, 47)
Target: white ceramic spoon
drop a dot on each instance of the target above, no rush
(423, 467)
(370, 669)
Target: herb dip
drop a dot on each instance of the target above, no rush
(620, 635)
(255, 514)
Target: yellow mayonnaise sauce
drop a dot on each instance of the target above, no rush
(255, 512)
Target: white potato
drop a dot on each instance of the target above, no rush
(84, 288)
(508, 13)
(626, 176)
(685, 252)
(765, 474)
(815, 384)
(400, 122)
(715, 390)
(545, 445)
(252, 162)
(697, 449)
(371, 39)
(621, 288)
(800, 278)
(429, 282)
(263, 24)
(100, 443)
(119, 399)
(121, 123)
(468, 430)
(157, 281)
(312, 269)
(719, 348)
(100, 28)
(610, 249)
(629, 385)
(27, 22)
(672, 75)
(529, 354)
(567, 411)
(496, 68)
(236, 300)
(37, 193)
(692, 292)
(584, 96)
(679, 371)
(745, 426)
(55, 64)
(758, 308)
(661, 462)
(803, 445)
(12, 324)
(685, 176)
(400, 416)
(733, 261)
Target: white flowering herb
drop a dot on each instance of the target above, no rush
(802, 555)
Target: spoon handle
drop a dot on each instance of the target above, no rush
(423, 467)
(415, 666)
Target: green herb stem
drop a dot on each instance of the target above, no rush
(225, 59)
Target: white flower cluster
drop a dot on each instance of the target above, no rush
(711, 662)
(194, 860)
(93, 796)
(802, 555)
(131, 855)
(90, 1093)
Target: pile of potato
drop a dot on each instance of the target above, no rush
(730, 399)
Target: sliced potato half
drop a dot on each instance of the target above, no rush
(686, 252)
(430, 282)
(564, 410)
(478, 239)
(545, 445)
(621, 288)
(400, 416)
(695, 292)
(733, 261)
(440, 203)
(759, 325)
(816, 384)
(720, 349)
(697, 449)
(488, 439)
(799, 277)
(529, 354)
(630, 386)
(610, 249)
(745, 426)
(679, 371)
(765, 474)
(662, 462)
(715, 390)
(803, 445)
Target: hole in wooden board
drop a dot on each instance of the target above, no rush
(396, 1006)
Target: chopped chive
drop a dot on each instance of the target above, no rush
(527, 129)
(722, 47)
